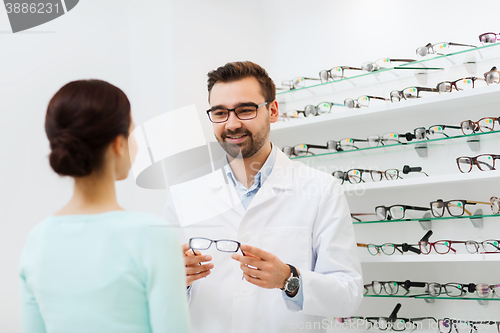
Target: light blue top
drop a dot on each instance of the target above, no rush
(246, 197)
(118, 272)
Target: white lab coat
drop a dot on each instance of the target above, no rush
(301, 216)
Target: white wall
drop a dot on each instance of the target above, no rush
(159, 52)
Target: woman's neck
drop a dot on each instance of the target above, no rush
(92, 194)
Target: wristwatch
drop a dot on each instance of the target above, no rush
(292, 284)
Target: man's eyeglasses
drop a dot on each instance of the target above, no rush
(335, 73)
(493, 76)
(489, 38)
(223, 245)
(360, 101)
(486, 124)
(298, 82)
(395, 212)
(464, 83)
(454, 207)
(376, 65)
(485, 162)
(409, 93)
(438, 48)
(243, 112)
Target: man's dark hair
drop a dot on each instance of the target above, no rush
(234, 71)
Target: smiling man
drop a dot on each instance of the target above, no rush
(292, 253)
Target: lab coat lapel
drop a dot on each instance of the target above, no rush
(280, 178)
(225, 192)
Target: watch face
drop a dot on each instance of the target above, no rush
(292, 284)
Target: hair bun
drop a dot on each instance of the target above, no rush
(70, 156)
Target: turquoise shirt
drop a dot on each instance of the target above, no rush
(118, 272)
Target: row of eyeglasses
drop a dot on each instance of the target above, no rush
(400, 324)
(433, 289)
(438, 208)
(338, 72)
(464, 83)
(468, 127)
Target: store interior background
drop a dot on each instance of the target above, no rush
(159, 52)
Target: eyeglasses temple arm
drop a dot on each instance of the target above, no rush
(402, 60)
(458, 44)
(381, 98)
(394, 313)
(316, 146)
(427, 89)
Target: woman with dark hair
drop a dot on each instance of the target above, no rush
(92, 266)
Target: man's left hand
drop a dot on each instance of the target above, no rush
(262, 268)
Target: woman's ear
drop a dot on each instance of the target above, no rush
(118, 145)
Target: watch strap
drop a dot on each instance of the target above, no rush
(293, 270)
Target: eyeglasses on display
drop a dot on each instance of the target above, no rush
(409, 93)
(355, 176)
(489, 38)
(376, 65)
(389, 248)
(484, 162)
(462, 326)
(303, 149)
(395, 212)
(454, 289)
(420, 133)
(486, 124)
(495, 205)
(360, 101)
(489, 246)
(392, 287)
(335, 73)
(442, 48)
(242, 112)
(464, 83)
(492, 76)
(223, 245)
(354, 216)
(296, 83)
(454, 207)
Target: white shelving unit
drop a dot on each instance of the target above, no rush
(439, 162)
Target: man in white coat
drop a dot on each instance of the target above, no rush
(293, 224)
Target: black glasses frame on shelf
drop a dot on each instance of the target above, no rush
(389, 212)
(439, 206)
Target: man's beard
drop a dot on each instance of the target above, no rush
(253, 143)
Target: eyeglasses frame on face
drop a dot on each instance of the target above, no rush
(473, 161)
(402, 95)
(446, 206)
(405, 207)
(357, 105)
(329, 73)
(454, 83)
(476, 125)
(257, 106)
(430, 46)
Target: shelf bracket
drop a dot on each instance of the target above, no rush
(477, 222)
(421, 149)
(471, 66)
(429, 300)
(426, 224)
(482, 303)
(474, 143)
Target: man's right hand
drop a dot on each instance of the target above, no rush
(194, 269)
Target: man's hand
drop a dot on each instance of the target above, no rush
(262, 268)
(194, 269)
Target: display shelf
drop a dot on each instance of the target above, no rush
(485, 97)
(436, 297)
(421, 180)
(435, 62)
(430, 219)
(412, 144)
(441, 258)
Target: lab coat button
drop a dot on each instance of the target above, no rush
(245, 239)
